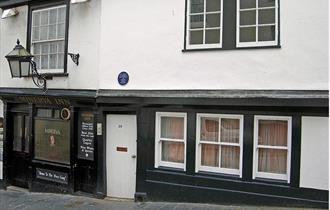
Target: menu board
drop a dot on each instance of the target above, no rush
(86, 136)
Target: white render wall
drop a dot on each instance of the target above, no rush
(145, 38)
(84, 39)
(314, 169)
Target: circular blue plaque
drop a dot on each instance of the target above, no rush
(123, 78)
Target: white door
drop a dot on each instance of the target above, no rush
(121, 155)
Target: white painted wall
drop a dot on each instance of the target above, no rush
(84, 39)
(146, 37)
(314, 169)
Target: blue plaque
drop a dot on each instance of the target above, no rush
(123, 78)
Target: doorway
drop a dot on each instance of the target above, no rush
(121, 137)
(20, 150)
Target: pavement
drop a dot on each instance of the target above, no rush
(23, 200)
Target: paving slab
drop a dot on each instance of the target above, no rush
(22, 200)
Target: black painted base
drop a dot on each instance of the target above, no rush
(185, 193)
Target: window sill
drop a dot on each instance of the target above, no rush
(44, 162)
(271, 181)
(218, 175)
(237, 48)
(49, 76)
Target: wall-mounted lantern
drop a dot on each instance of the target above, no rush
(9, 13)
(21, 65)
(78, 1)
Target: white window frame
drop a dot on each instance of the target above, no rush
(256, 43)
(204, 13)
(198, 165)
(49, 71)
(158, 140)
(258, 174)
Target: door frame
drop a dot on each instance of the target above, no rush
(104, 111)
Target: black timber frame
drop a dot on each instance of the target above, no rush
(189, 186)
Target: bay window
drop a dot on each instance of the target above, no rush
(219, 143)
(272, 147)
(257, 23)
(170, 139)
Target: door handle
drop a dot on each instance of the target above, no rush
(133, 156)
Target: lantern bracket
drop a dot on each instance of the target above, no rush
(74, 58)
(39, 80)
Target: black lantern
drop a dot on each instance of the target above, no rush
(19, 60)
(21, 65)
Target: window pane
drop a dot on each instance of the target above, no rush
(266, 33)
(44, 62)
(230, 130)
(196, 21)
(60, 61)
(247, 34)
(52, 140)
(26, 134)
(212, 36)
(273, 132)
(266, 3)
(36, 49)
(52, 61)
(247, 17)
(52, 32)
(272, 160)
(17, 142)
(196, 37)
(213, 5)
(44, 48)
(60, 46)
(35, 34)
(53, 47)
(172, 127)
(44, 17)
(35, 18)
(60, 31)
(210, 155)
(173, 151)
(266, 16)
(247, 4)
(43, 33)
(196, 6)
(61, 15)
(52, 16)
(212, 20)
(230, 157)
(36, 59)
(209, 129)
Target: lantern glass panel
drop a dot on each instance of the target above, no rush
(25, 68)
(15, 68)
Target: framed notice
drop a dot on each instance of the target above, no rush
(86, 136)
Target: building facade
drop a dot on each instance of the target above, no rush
(215, 101)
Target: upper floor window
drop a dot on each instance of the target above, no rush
(257, 23)
(170, 139)
(204, 24)
(219, 143)
(48, 32)
(272, 147)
